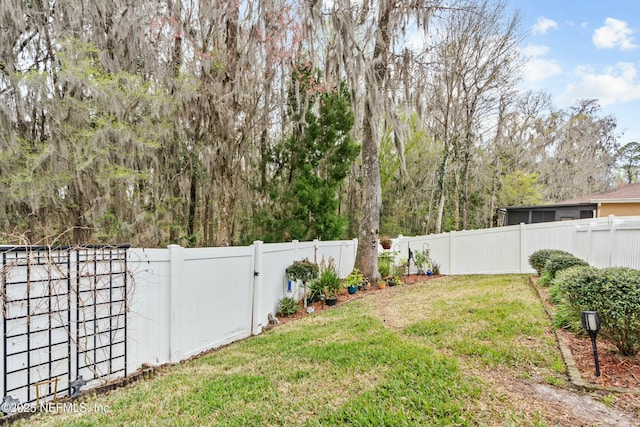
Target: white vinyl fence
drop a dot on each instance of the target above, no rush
(65, 310)
(186, 301)
(182, 302)
(602, 242)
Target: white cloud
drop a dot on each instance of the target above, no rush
(538, 68)
(544, 25)
(534, 50)
(614, 84)
(614, 34)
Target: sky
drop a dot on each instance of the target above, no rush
(585, 49)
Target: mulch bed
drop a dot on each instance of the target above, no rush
(615, 370)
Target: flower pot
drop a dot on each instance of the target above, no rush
(331, 301)
(352, 289)
(429, 273)
(382, 285)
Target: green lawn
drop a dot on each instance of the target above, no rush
(413, 355)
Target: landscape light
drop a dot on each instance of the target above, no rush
(591, 323)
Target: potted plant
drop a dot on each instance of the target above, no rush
(385, 242)
(422, 260)
(384, 264)
(353, 281)
(329, 282)
(330, 296)
(401, 267)
(436, 269)
(395, 280)
(303, 271)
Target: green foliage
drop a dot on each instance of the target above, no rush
(557, 262)
(539, 258)
(407, 197)
(355, 278)
(520, 188)
(310, 166)
(614, 293)
(327, 283)
(385, 264)
(422, 259)
(287, 306)
(303, 270)
(629, 162)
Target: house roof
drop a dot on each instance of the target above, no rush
(549, 206)
(626, 193)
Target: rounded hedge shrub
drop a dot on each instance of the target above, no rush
(538, 259)
(557, 262)
(615, 294)
(564, 292)
(304, 270)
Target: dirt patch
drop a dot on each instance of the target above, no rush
(556, 406)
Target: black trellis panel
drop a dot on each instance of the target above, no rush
(63, 316)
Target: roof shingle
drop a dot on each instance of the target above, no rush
(630, 191)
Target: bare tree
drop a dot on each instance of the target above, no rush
(477, 66)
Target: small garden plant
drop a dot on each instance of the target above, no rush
(422, 260)
(287, 307)
(355, 278)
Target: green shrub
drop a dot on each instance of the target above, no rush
(538, 259)
(287, 306)
(557, 262)
(566, 315)
(615, 294)
(384, 267)
(304, 270)
(328, 283)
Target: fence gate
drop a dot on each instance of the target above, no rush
(64, 320)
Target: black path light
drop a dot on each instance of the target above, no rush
(591, 323)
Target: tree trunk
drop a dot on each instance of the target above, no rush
(367, 256)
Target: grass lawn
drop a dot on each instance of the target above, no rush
(443, 352)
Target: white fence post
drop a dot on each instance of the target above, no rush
(522, 248)
(176, 265)
(451, 252)
(256, 321)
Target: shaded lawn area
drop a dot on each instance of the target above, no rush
(413, 355)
